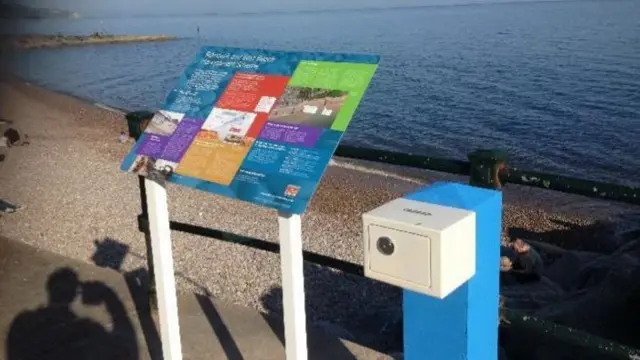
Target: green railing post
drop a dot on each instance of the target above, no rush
(137, 121)
(486, 165)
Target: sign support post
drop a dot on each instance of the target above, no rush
(293, 300)
(164, 273)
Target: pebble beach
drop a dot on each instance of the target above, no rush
(74, 194)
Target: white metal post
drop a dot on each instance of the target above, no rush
(290, 228)
(164, 275)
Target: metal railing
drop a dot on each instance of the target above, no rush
(485, 168)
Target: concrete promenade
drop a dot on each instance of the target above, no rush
(53, 307)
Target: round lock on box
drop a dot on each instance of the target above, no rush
(385, 245)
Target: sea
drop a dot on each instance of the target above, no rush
(555, 83)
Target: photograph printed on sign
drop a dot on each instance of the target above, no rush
(147, 166)
(229, 125)
(164, 123)
(156, 138)
(308, 106)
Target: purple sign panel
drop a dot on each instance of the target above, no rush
(152, 145)
(180, 140)
(299, 135)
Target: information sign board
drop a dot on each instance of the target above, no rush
(255, 125)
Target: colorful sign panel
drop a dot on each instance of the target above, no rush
(254, 125)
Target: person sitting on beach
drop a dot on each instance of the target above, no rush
(528, 264)
(7, 207)
(12, 137)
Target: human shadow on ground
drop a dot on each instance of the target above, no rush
(592, 274)
(55, 332)
(348, 307)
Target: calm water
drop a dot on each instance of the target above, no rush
(557, 84)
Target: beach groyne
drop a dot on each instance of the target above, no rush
(34, 41)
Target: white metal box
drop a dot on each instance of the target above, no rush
(426, 248)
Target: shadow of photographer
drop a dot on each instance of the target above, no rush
(55, 331)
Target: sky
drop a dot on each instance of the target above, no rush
(93, 8)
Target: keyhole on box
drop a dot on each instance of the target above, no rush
(385, 245)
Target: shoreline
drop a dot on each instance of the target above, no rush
(69, 178)
(38, 41)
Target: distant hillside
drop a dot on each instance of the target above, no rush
(17, 11)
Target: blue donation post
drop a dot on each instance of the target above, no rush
(254, 125)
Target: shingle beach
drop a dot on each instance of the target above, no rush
(75, 194)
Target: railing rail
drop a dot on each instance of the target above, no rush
(485, 168)
(505, 174)
(457, 167)
(570, 185)
(260, 244)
